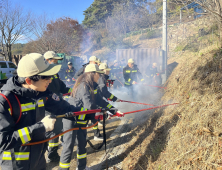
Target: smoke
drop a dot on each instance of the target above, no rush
(142, 94)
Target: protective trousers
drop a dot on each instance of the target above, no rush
(54, 143)
(131, 91)
(95, 128)
(40, 164)
(69, 141)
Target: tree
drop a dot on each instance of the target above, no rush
(38, 42)
(98, 11)
(214, 7)
(14, 24)
(63, 35)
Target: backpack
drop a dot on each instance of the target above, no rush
(15, 107)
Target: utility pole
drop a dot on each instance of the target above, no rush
(164, 43)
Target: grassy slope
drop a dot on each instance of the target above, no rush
(176, 137)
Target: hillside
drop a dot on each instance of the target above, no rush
(187, 135)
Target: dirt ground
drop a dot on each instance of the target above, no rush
(92, 155)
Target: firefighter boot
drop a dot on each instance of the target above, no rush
(53, 155)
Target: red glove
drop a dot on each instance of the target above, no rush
(119, 114)
(99, 116)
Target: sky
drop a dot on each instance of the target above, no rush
(54, 9)
(57, 8)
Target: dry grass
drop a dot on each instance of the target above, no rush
(186, 136)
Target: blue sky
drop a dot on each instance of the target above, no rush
(57, 8)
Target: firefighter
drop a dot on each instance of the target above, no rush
(28, 91)
(92, 60)
(105, 93)
(69, 75)
(85, 94)
(152, 74)
(132, 76)
(98, 62)
(58, 87)
(102, 83)
(116, 74)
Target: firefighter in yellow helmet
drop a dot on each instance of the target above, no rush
(131, 75)
(152, 75)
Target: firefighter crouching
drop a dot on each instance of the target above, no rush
(131, 76)
(28, 91)
(58, 87)
(69, 75)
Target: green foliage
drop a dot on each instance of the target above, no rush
(98, 11)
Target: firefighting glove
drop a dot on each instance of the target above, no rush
(118, 100)
(48, 123)
(99, 116)
(119, 114)
(133, 82)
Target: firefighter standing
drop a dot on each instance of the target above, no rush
(131, 76)
(102, 83)
(28, 91)
(58, 87)
(85, 94)
(92, 60)
(152, 75)
(116, 74)
(69, 75)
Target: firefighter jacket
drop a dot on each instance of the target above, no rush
(132, 74)
(103, 88)
(84, 98)
(151, 71)
(29, 128)
(116, 72)
(57, 86)
(81, 71)
(70, 73)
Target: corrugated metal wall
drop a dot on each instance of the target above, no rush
(142, 56)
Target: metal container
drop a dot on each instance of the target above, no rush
(143, 57)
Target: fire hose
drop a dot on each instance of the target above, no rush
(119, 81)
(89, 112)
(136, 102)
